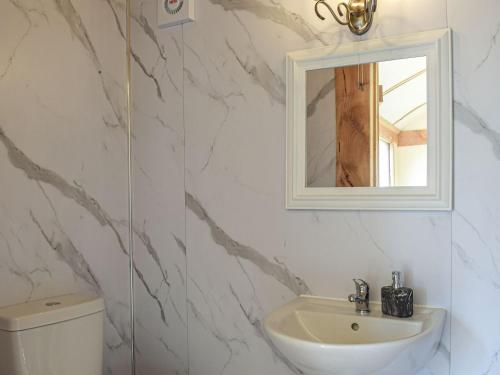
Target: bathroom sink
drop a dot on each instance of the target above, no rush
(322, 336)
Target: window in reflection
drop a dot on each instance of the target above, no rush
(385, 164)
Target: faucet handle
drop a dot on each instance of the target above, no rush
(362, 296)
(362, 286)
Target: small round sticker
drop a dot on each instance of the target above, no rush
(173, 6)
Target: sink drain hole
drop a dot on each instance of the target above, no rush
(355, 326)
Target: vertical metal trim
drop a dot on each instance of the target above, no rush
(130, 188)
(188, 364)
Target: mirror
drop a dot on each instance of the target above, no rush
(369, 124)
(366, 124)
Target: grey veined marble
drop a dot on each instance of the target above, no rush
(63, 159)
(214, 248)
(234, 248)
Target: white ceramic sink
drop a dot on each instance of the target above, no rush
(324, 336)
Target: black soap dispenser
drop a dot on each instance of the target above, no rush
(397, 300)
(387, 293)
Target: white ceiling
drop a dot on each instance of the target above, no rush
(404, 106)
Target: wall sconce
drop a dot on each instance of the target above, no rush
(358, 14)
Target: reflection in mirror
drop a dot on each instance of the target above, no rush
(367, 125)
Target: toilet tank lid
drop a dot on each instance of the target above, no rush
(47, 311)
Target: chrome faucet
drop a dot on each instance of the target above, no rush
(361, 298)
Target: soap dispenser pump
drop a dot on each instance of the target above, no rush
(397, 300)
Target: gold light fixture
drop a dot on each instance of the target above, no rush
(357, 14)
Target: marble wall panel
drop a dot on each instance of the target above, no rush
(246, 253)
(208, 108)
(476, 230)
(63, 158)
(158, 194)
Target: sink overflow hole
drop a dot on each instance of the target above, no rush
(50, 304)
(355, 326)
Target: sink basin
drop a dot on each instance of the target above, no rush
(323, 336)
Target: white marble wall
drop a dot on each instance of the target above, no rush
(158, 194)
(208, 109)
(63, 158)
(476, 219)
(246, 253)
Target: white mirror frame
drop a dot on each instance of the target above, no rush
(437, 195)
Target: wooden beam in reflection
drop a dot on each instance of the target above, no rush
(388, 132)
(412, 138)
(392, 134)
(356, 90)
